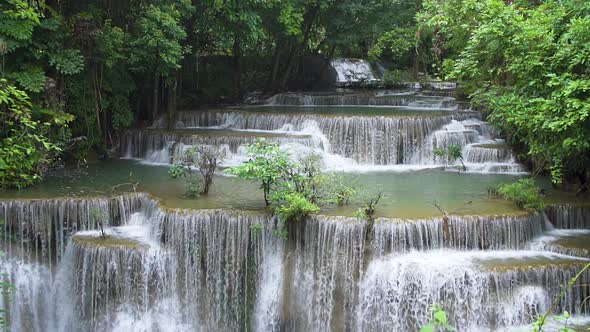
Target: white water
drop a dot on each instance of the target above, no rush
(207, 270)
(352, 70)
(196, 270)
(350, 144)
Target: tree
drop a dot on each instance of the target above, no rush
(267, 163)
(526, 63)
(25, 150)
(205, 159)
(156, 47)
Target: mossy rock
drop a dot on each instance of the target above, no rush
(107, 241)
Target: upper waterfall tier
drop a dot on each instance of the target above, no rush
(410, 99)
(352, 70)
(166, 147)
(385, 139)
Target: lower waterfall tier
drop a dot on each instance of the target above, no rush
(190, 270)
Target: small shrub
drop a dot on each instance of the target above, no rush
(451, 154)
(438, 321)
(343, 194)
(206, 159)
(368, 208)
(257, 228)
(203, 158)
(524, 193)
(295, 207)
(194, 186)
(176, 171)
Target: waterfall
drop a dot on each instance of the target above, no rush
(377, 140)
(365, 99)
(571, 242)
(353, 141)
(459, 232)
(40, 227)
(326, 261)
(186, 270)
(164, 147)
(352, 70)
(397, 290)
(569, 216)
(481, 152)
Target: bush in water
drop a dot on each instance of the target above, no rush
(524, 193)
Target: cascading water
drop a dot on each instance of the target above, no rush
(408, 100)
(352, 70)
(373, 140)
(163, 147)
(401, 133)
(205, 270)
(158, 269)
(481, 151)
(40, 227)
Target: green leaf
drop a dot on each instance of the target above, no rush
(441, 317)
(427, 328)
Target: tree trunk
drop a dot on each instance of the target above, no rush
(275, 68)
(155, 97)
(171, 108)
(97, 101)
(237, 50)
(324, 67)
(312, 16)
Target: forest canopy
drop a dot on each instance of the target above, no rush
(75, 73)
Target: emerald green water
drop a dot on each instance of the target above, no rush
(406, 195)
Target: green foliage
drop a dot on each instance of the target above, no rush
(17, 21)
(266, 163)
(110, 43)
(256, 228)
(294, 206)
(368, 207)
(25, 150)
(528, 65)
(122, 115)
(203, 158)
(341, 191)
(194, 186)
(397, 76)
(31, 79)
(398, 43)
(176, 171)
(451, 154)
(159, 33)
(438, 321)
(67, 61)
(524, 193)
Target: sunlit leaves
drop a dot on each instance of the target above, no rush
(157, 46)
(18, 19)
